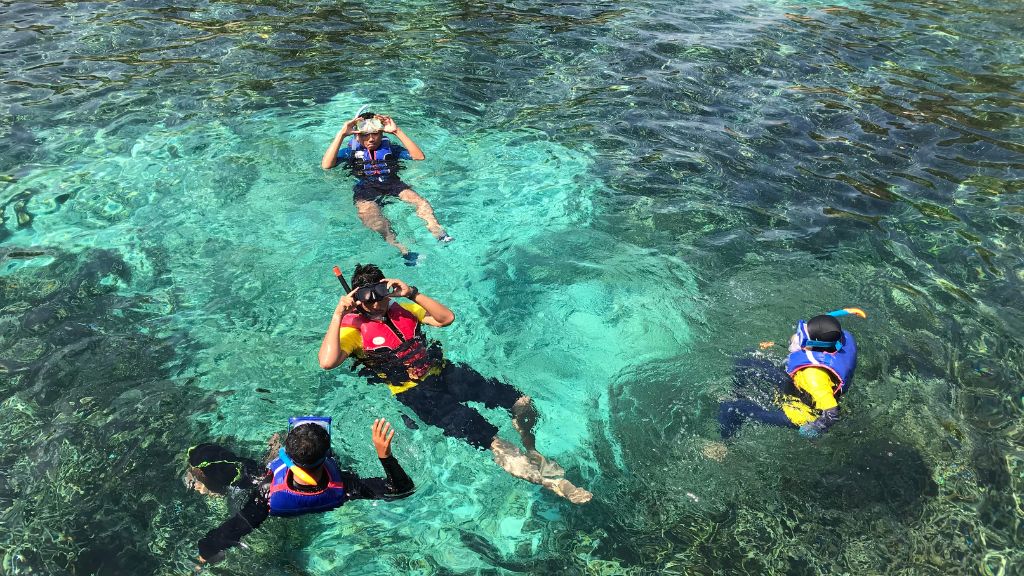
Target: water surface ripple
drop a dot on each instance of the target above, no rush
(639, 192)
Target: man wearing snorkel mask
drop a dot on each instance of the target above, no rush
(373, 159)
(386, 338)
(820, 366)
(302, 478)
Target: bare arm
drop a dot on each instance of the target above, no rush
(330, 159)
(437, 314)
(331, 355)
(391, 128)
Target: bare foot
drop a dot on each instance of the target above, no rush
(514, 461)
(568, 490)
(524, 417)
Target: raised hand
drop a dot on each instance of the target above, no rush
(382, 435)
(389, 123)
(398, 288)
(345, 303)
(349, 127)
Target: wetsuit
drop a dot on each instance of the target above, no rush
(438, 397)
(806, 399)
(376, 170)
(221, 469)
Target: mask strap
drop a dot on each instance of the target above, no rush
(822, 344)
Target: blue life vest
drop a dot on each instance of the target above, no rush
(840, 364)
(377, 165)
(287, 502)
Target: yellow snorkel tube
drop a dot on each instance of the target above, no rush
(296, 470)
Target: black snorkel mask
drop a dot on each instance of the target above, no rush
(364, 295)
(372, 293)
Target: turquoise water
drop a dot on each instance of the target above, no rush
(638, 194)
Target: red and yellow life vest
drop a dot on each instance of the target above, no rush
(394, 347)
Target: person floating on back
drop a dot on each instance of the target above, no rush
(387, 339)
(819, 370)
(302, 478)
(373, 159)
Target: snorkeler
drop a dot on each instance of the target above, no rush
(822, 359)
(302, 478)
(386, 338)
(373, 159)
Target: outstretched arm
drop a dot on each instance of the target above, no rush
(392, 128)
(331, 354)
(230, 533)
(331, 155)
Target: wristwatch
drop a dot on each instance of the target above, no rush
(414, 292)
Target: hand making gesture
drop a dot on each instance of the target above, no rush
(382, 435)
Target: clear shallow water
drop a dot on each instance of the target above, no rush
(638, 193)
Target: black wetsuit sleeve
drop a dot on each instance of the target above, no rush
(396, 483)
(230, 533)
(824, 421)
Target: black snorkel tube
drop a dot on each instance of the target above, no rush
(370, 293)
(341, 278)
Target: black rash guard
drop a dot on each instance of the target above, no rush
(396, 484)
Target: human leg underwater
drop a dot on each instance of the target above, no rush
(439, 401)
(215, 469)
(371, 216)
(757, 382)
(426, 213)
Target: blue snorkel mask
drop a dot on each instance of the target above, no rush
(321, 421)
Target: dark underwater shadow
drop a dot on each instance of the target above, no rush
(97, 418)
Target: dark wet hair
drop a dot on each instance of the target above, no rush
(367, 115)
(307, 444)
(824, 328)
(366, 275)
